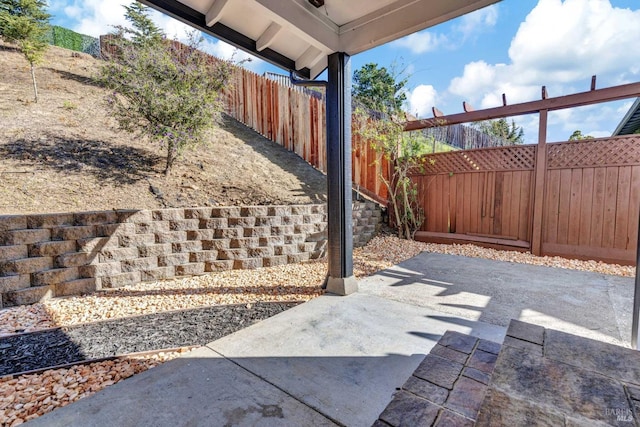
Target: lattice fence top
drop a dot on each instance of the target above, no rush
(616, 151)
(515, 157)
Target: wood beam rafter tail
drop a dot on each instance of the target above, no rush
(214, 14)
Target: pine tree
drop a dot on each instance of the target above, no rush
(26, 22)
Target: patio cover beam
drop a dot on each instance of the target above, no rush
(596, 96)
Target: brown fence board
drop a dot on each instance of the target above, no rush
(634, 207)
(586, 204)
(622, 207)
(575, 204)
(609, 219)
(563, 207)
(598, 206)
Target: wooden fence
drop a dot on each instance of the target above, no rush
(590, 205)
(297, 121)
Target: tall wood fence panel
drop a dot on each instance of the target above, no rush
(592, 198)
(590, 206)
(297, 121)
(482, 195)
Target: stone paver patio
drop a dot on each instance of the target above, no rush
(538, 377)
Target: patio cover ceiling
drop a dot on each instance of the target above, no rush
(298, 36)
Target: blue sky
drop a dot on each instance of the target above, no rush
(513, 47)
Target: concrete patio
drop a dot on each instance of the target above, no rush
(338, 360)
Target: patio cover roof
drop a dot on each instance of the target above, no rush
(298, 36)
(631, 121)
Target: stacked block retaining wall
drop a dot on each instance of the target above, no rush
(47, 255)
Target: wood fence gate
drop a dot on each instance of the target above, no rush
(590, 205)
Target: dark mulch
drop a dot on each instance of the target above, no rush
(54, 347)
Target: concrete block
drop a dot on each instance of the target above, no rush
(133, 215)
(13, 283)
(220, 265)
(27, 237)
(318, 254)
(245, 242)
(25, 266)
(262, 252)
(203, 256)
(173, 259)
(190, 269)
(184, 224)
(304, 228)
(247, 264)
(97, 244)
(152, 227)
(249, 221)
(120, 280)
(319, 209)
(137, 240)
(188, 246)
(310, 246)
(268, 220)
(278, 210)
(76, 287)
(213, 223)
(155, 250)
(100, 270)
(216, 244)
(167, 214)
(295, 258)
(12, 222)
(159, 273)
(257, 231)
(301, 210)
(171, 237)
(254, 211)
(93, 218)
(294, 239)
(278, 230)
(228, 233)
(139, 264)
(117, 254)
(200, 234)
(225, 212)
(30, 295)
(75, 259)
(271, 240)
(232, 254)
(114, 230)
(73, 233)
(7, 253)
(292, 219)
(273, 261)
(197, 213)
(55, 276)
(285, 249)
(55, 248)
(312, 218)
(49, 220)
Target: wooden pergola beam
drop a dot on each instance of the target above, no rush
(594, 96)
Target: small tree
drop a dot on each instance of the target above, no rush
(26, 22)
(163, 90)
(577, 136)
(379, 119)
(510, 133)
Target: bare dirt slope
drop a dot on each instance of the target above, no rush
(63, 154)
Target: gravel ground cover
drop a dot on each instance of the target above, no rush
(30, 396)
(53, 347)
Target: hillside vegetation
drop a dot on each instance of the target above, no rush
(64, 154)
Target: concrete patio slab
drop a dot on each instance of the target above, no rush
(588, 304)
(338, 360)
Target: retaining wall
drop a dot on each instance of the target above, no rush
(47, 255)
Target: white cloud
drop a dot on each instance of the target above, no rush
(559, 44)
(421, 100)
(476, 21)
(424, 41)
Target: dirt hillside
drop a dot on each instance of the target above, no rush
(64, 153)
